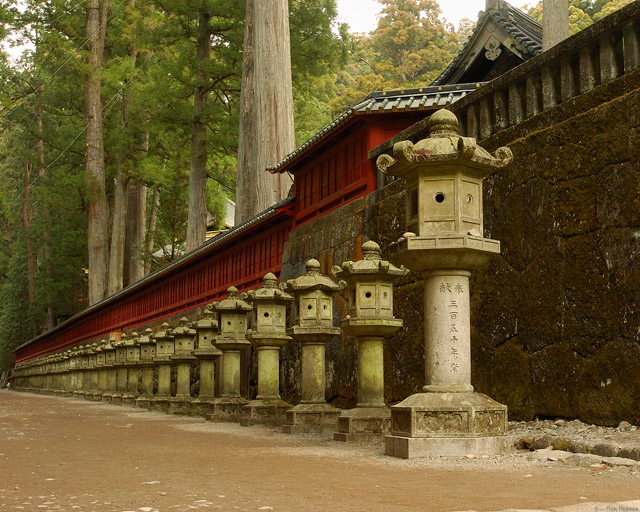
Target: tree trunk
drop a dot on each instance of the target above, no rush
(26, 223)
(98, 215)
(151, 231)
(48, 256)
(266, 108)
(118, 229)
(197, 221)
(555, 22)
(136, 227)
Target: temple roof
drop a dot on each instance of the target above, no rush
(503, 38)
(381, 102)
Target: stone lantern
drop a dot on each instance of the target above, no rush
(268, 335)
(147, 353)
(444, 175)
(93, 372)
(184, 341)
(133, 369)
(370, 320)
(121, 370)
(84, 369)
(231, 340)
(76, 379)
(207, 354)
(313, 328)
(109, 360)
(164, 350)
(102, 370)
(67, 373)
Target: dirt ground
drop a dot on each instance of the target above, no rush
(66, 454)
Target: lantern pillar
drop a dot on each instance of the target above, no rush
(164, 350)
(370, 321)
(231, 341)
(110, 368)
(147, 353)
(184, 342)
(444, 242)
(207, 355)
(268, 335)
(133, 370)
(313, 329)
(121, 370)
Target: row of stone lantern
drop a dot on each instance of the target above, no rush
(444, 242)
(122, 370)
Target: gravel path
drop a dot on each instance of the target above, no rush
(63, 454)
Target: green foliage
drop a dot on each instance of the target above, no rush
(409, 48)
(582, 13)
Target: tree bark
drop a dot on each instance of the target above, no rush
(98, 211)
(151, 230)
(555, 22)
(266, 108)
(26, 223)
(48, 255)
(136, 227)
(197, 220)
(118, 229)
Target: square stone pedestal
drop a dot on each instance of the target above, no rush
(311, 419)
(180, 405)
(412, 447)
(448, 424)
(363, 424)
(159, 403)
(116, 398)
(143, 402)
(200, 406)
(106, 397)
(129, 400)
(227, 409)
(271, 412)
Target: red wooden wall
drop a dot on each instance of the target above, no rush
(331, 174)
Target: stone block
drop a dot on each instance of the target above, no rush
(412, 447)
(271, 412)
(311, 418)
(363, 424)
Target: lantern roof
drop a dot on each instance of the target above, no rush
(312, 280)
(164, 333)
(371, 263)
(443, 145)
(233, 302)
(208, 320)
(183, 329)
(271, 291)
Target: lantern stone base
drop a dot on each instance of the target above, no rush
(267, 411)
(159, 403)
(143, 402)
(106, 397)
(97, 396)
(363, 424)
(227, 409)
(129, 400)
(311, 419)
(412, 447)
(116, 398)
(200, 406)
(180, 405)
(448, 424)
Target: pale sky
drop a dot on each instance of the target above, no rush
(361, 14)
